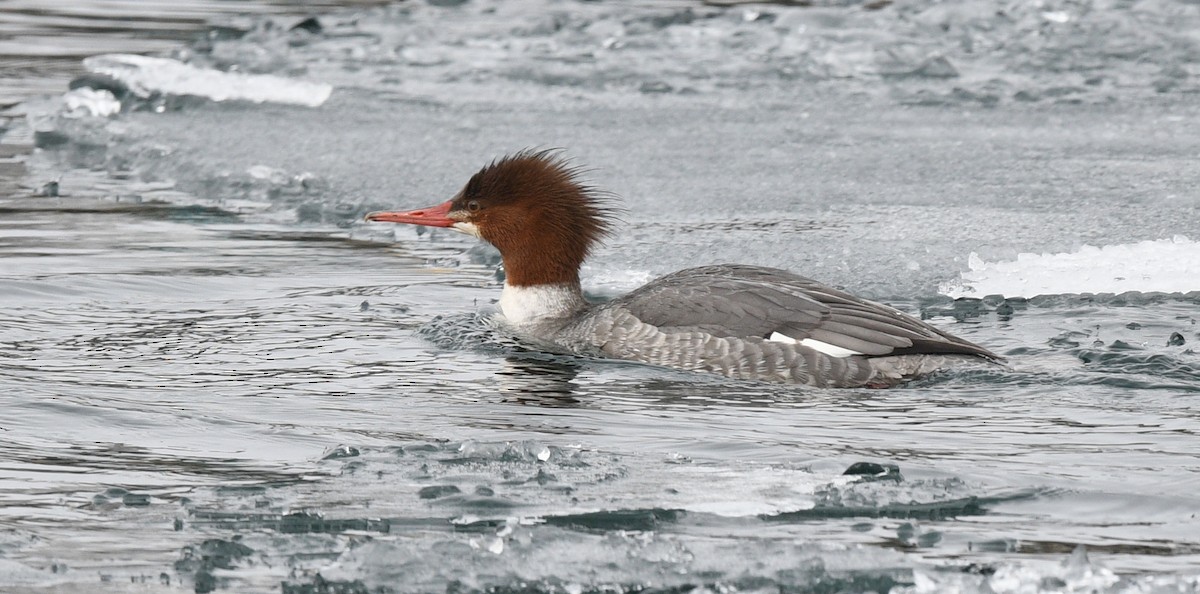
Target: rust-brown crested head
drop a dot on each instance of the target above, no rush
(533, 207)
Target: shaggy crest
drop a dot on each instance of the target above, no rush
(533, 207)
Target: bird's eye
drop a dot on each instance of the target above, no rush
(473, 206)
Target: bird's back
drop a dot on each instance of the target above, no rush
(759, 323)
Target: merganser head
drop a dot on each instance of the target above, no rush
(532, 206)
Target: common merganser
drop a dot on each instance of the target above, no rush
(747, 322)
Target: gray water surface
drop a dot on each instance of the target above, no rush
(214, 376)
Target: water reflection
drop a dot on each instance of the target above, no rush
(540, 381)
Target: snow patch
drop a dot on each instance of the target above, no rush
(1165, 265)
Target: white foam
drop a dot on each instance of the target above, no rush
(145, 75)
(1165, 265)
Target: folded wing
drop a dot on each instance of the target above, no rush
(752, 301)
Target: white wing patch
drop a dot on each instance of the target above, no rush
(816, 345)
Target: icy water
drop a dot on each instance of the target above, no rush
(215, 377)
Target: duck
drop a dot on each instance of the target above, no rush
(741, 321)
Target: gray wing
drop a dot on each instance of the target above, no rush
(746, 301)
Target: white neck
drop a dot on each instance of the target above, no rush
(526, 305)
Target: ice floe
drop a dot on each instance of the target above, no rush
(145, 75)
(1164, 265)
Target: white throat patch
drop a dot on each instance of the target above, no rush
(524, 305)
(468, 228)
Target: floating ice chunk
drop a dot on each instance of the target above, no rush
(1056, 16)
(1166, 265)
(746, 491)
(87, 101)
(1074, 574)
(270, 174)
(145, 75)
(465, 519)
(491, 544)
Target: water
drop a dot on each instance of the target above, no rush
(216, 377)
